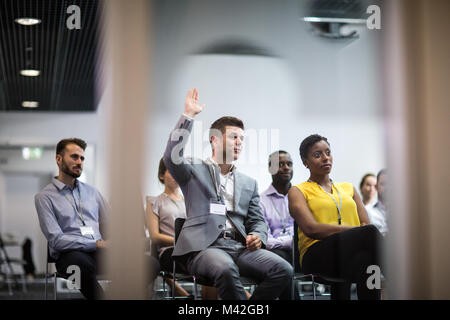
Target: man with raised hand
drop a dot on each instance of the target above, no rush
(225, 232)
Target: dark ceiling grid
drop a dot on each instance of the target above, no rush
(67, 59)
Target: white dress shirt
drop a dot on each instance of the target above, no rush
(378, 215)
(227, 190)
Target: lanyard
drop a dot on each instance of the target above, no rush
(283, 220)
(214, 180)
(339, 195)
(78, 211)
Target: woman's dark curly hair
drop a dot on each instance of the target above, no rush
(308, 142)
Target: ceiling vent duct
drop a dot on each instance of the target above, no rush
(332, 19)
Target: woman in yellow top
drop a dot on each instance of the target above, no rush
(336, 238)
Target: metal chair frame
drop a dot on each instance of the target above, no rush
(185, 276)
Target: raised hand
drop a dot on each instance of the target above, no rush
(191, 106)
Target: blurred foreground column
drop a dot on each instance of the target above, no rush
(416, 56)
(127, 83)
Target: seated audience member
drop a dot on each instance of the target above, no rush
(72, 216)
(162, 212)
(377, 212)
(275, 208)
(335, 237)
(367, 188)
(225, 233)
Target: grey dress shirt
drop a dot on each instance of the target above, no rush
(58, 209)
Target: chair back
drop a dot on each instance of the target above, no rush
(295, 252)
(179, 222)
(49, 257)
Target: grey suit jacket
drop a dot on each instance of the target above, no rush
(201, 228)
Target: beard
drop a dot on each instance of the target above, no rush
(65, 168)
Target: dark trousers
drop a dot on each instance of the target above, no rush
(286, 254)
(226, 260)
(346, 255)
(87, 262)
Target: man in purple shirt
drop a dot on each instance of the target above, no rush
(275, 207)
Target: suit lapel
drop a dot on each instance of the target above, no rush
(237, 189)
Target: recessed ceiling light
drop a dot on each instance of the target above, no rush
(30, 72)
(27, 21)
(30, 104)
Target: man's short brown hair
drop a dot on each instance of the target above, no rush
(64, 142)
(221, 123)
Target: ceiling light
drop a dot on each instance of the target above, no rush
(30, 72)
(27, 21)
(30, 104)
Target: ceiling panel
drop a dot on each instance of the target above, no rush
(67, 59)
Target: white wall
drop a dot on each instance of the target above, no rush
(20, 219)
(21, 179)
(313, 85)
(46, 128)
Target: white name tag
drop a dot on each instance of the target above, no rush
(217, 208)
(87, 231)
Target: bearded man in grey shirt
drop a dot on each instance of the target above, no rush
(72, 216)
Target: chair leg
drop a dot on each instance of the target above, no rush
(292, 288)
(314, 288)
(164, 285)
(54, 287)
(173, 281)
(24, 285)
(195, 288)
(300, 292)
(10, 291)
(46, 281)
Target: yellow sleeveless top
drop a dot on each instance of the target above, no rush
(324, 209)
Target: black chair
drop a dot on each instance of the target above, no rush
(5, 260)
(307, 278)
(102, 279)
(55, 275)
(179, 222)
(183, 274)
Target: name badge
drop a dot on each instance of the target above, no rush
(87, 230)
(217, 208)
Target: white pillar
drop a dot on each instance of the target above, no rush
(126, 103)
(417, 108)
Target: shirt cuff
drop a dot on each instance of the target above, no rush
(91, 245)
(187, 117)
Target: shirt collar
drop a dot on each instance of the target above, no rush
(380, 206)
(272, 191)
(61, 185)
(210, 160)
